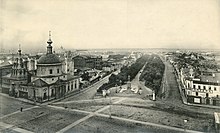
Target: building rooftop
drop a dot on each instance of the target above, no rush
(70, 77)
(38, 83)
(49, 59)
(185, 70)
(5, 63)
(9, 76)
(88, 56)
(214, 78)
(206, 70)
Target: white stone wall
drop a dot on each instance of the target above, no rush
(45, 70)
(73, 85)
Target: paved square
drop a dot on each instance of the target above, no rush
(9, 105)
(43, 119)
(98, 124)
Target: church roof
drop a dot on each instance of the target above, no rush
(38, 83)
(49, 59)
(59, 82)
(5, 63)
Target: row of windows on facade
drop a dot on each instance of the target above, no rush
(52, 90)
(72, 87)
(16, 72)
(207, 94)
(51, 71)
(204, 87)
(58, 71)
(24, 89)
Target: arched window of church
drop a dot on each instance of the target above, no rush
(51, 71)
(72, 86)
(75, 84)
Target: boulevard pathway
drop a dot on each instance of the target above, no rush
(136, 83)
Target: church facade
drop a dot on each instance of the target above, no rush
(18, 75)
(51, 79)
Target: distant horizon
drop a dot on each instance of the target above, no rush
(95, 24)
(108, 49)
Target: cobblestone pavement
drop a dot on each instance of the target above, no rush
(7, 128)
(48, 119)
(90, 92)
(42, 119)
(9, 105)
(99, 124)
(136, 116)
(171, 86)
(88, 116)
(87, 105)
(151, 114)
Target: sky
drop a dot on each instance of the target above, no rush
(86, 24)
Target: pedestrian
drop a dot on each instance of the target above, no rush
(21, 109)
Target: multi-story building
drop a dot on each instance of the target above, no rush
(202, 90)
(5, 69)
(87, 61)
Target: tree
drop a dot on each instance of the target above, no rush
(86, 76)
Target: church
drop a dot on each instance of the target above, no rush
(52, 78)
(17, 76)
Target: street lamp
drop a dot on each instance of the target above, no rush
(64, 89)
(48, 92)
(110, 114)
(34, 93)
(154, 95)
(185, 122)
(120, 85)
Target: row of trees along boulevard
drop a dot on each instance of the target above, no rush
(153, 73)
(122, 77)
